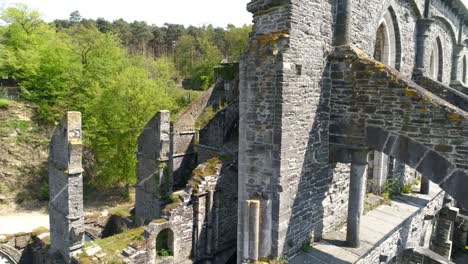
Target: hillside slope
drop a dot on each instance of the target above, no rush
(23, 157)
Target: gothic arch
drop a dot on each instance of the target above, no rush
(436, 60)
(388, 40)
(423, 159)
(450, 28)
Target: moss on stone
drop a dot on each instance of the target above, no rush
(113, 245)
(39, 230)
(160, 221)
(122, 211)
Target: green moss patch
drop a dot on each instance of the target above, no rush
(113, 245)
(4, 103)
(123, 211)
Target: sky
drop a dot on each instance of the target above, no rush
(187, 12)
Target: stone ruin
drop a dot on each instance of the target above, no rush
(336, 99)
(66, 189)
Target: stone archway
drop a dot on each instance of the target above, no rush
(387, 44)
(423, 159)
(165, 243)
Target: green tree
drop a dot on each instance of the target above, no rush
(210, 56)
(75, 17)
(236, 39)
(120, 113)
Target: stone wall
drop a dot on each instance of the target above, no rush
(283, 123)
(200, 217)
(409, 234)
(220, 135)
(365, 22)
(447, 93)
(440, 30)
(336, 203)
(420, 122)
(153, 157)
(66, 188)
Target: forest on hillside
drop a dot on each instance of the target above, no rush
(117, 73)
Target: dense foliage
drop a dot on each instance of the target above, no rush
(117, 74)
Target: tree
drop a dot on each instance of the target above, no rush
(21, 15)
(185, 55)
(75, 17)
(236, 42)
(103, 25)
(210, 56)
(121, 111)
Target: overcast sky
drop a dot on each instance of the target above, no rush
(187, 12)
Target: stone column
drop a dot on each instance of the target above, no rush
(66, 189)
(457, 52)
(343, 23)
(357, 192)
(209, 224)
(152, 168)
(265, 228)
(442, 238)
(425, 185)
(422, 28)
(380, 171)
(254, 229)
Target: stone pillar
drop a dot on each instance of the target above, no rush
(380, 172)
(422, 28)
(209, 224)
(343, 23)
(357, 192)
(254, 229)
(425, 185)
(442, 238)
(153, 179)
(265, 228)
(457, 53)
(66, 189)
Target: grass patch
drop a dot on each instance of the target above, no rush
(21, 125)
(173, 202)
(406, 188)
(39, 230)
(122, 211)
(4, 103)
(306, 247)
(115, 244)
(208, 114)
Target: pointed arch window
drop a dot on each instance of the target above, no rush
(436, 61)
(387, 39)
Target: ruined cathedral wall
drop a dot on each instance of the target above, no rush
(366, 15)
(336, 202)
(442, 31)
(260, 112)
(440, 8)
(305, 173)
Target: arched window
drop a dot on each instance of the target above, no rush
(464, 70)
(386, 48)
(436, 61)
(165, 243)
